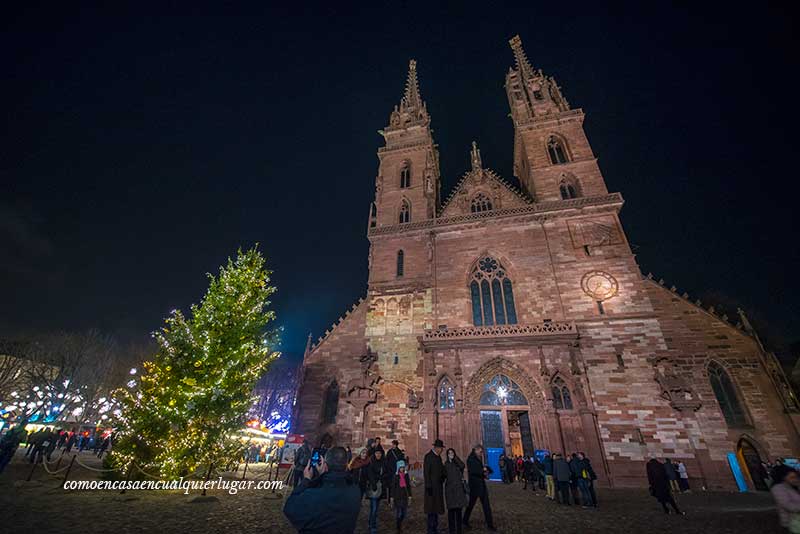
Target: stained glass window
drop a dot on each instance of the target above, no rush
(555, 148)
(480, 203)
(492, 295)
(725, 392)
(405, 175)
(502, 390)
(568, 190)
(405, 212)
(447, 397)
(562, 400)
(331, 404)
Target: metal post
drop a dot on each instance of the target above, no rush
(59, 461)
(127, 477)
(246, 463)
(66, 475)
(208, 476)
(31, 472)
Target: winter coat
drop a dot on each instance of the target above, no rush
(477, 478)
(532, 473)
(377, 472)
(454, 485)
(561, 470)
(659, 483)
(548, 465)
(330, 505)
(399, 494)
(672, 472)
(392, 457)
(359, 469)
(585, 470)
(434, 475)
(787, 498)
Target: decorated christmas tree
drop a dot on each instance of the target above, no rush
(196, 391)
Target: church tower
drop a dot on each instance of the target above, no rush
(552, 156)
(407, 186)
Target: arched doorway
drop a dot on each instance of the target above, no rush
(508, 411)
(750, 460)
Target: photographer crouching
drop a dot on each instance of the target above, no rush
(328, 503)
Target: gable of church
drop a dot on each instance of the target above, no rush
(482, 190)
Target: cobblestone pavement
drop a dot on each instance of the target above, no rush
(41, 504)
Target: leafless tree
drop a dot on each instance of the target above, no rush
(275, 393)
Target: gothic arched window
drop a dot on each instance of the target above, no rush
(725, 392)
(405, 212)
(400, 259)
(492, 294)
(502, 390)
(480, 203)
(405, 175)
(331, 403)
(556, 151)
(447, 396)
(373, 215)
(569, 189)
(562, 400)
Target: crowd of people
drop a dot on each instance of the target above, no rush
(449, 484)
(41, 444)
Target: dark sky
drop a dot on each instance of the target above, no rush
(139, 148)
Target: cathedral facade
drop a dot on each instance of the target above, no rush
(519, 318)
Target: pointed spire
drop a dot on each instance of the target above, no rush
(476, 157)
(523, 65)
(411, 97)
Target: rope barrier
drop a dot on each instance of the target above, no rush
(93, 468)
(57, 471)
(142, 471)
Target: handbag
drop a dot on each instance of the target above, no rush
(378, 491)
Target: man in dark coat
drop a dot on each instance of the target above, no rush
(562, 476)
(328, 504)
(659, 486)
(477, 474)
(434, 475)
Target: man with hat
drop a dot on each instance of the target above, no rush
(434, 475)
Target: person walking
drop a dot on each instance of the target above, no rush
(454, 492)
(400, 493)
(683, 477)
(786, 492)
(547, 468)
(586, 478)
(672, 475)
(377, 487)
(394, 455)
(359, 468)
(9, 444)
(540, 468)
(659, 486)
(562, 475)
(531, 473)
(434, 475)
(477, 474)
(327, 504)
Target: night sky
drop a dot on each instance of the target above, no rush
(140, 148)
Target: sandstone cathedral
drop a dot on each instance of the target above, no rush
(519, 318)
